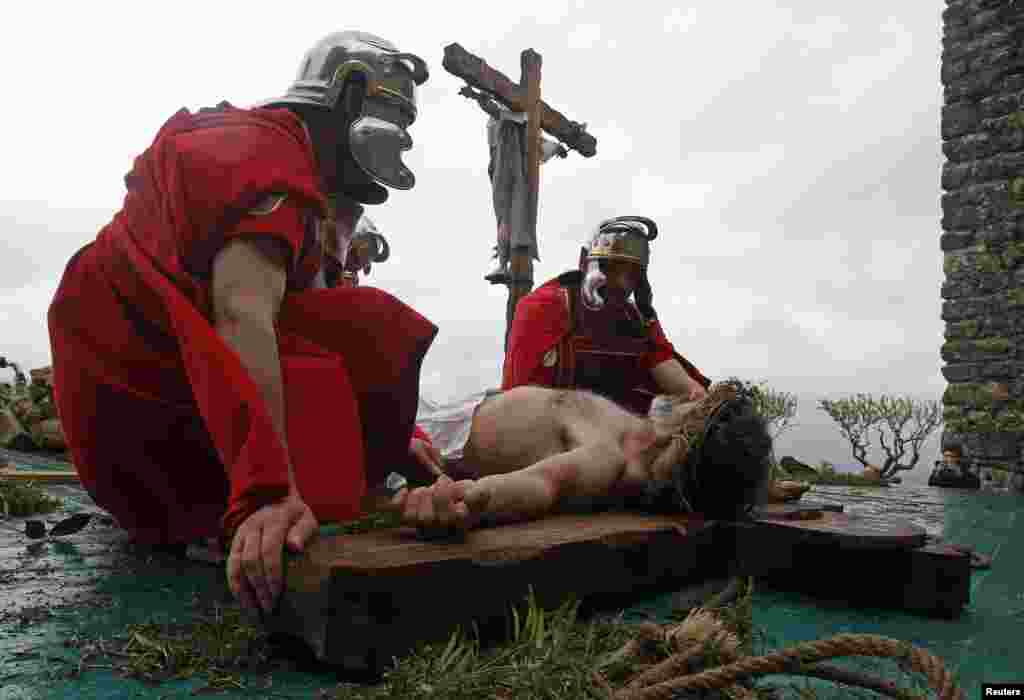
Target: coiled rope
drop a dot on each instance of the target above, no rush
(796, 659)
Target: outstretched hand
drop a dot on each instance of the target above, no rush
(697, 390)
(255, 564)
(444, 508)
(427, 455)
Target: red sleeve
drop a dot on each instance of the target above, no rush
(540, 321)
(663, 348)
(240, 174)
(418, 434)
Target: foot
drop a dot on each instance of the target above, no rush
(499, 275)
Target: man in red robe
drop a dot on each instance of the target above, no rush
(206, 386)
(594, 328)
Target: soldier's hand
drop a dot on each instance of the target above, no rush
(444, 508)
(255, 564)
(427, 455)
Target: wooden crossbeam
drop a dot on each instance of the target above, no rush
(475, 71)
(359, 601)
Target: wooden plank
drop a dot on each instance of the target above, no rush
(359, 600)
(478, 74)
(848, 531)
(796, 511)
(828, 558)
(52, 477)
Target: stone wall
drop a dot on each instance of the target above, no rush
(983, 232)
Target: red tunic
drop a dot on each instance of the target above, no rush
(543, 324)
(166, 428)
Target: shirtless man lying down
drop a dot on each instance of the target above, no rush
(533, 451)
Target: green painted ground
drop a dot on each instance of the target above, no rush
(59, 597)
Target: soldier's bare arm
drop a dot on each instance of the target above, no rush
(587, 472)
(248, 287)
(590, 473)
(671, 378)
(249, 278)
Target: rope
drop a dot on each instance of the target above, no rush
(794, 660)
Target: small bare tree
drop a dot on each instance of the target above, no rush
(777, 408)
(901, 424)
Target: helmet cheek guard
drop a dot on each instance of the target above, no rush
(594, 281)
(377, 148)
(382, 114)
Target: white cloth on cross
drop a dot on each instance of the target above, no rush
(509, 181)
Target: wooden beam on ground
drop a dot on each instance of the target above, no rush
(826, 557)
(478, 74)
(51, 477)
(360, 600)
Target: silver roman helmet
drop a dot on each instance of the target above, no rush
(371, 87)
(368, 246)
(622, 238)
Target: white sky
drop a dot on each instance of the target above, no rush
(789, 152)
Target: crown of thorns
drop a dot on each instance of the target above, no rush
(686, 475)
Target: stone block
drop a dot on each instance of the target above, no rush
(1005, 369)
(1000, 445)
(959, 119)
(1011, 83)
(955, 309)
(967, 148)
(961, 372)
(955, 240)
(962, 217)
(999, 105)
(955, 175)
(996, 233)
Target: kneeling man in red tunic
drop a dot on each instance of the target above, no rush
(209, 382)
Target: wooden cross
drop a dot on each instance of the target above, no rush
(524, 97)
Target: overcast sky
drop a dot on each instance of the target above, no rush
(789, 152)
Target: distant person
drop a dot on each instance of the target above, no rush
(595, 327)
(953, 459)
(207, 387)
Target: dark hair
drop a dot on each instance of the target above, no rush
(728, 471)
(954, 447)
